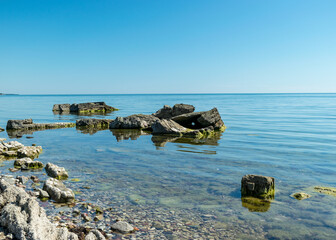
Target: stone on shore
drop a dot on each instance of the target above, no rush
(300, 195)
(257, 186)
(89, 107)
(122, 227)
(56, 172)
(58, 191)
(93, 123)
(136, 121)
(95, 235)
(22, 216)
(168, 127)
(27, 163)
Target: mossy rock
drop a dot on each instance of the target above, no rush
(326, 190)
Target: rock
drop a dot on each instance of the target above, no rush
(164, 113)
(199, 120)
(22, 179)
(12, 146)
(256, 204)
(95, 235)
(27, 124)
(98, 217)
(61, 107)
(35, 179)
(168, 127)
(168, 112)
(137, 121)
(58, 191)
(257, 186)
(1, 129)
(22, 216)
(27, 163)
(84, 107)
(86, 217)
(29, 151)
(42, 193)
(326, 190)
(56, 171)
(300, 195)
(122, 227)
(93, 123)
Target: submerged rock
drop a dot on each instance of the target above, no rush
(122, 227)
(300, 195)
(136, 121)
(27, 163)
(84, 107)
(22, 216)
(27, 124)
(58, 191)
(95, 235)
(1, 129)
(257, 186)
(56, 171)
(256, 204)
(326, 190)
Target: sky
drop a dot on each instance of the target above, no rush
(167, 46)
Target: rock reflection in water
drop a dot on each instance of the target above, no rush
(256, 204)
(126, 134)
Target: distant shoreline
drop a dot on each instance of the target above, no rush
(1, 94)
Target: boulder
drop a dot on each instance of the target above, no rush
(168, 127)
(29, 151)
(28, 125)
(122, 227)
(11, 146)
(61, 107)
(93, 123)
(58, 191)
(56, 171)
(27, 163)
(168, 112)
(257, 186)
(136, 121)
(83, 107)
(23, 217)
(42, 194)
(95, 235)
(199, 120)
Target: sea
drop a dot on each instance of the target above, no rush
(194, 185)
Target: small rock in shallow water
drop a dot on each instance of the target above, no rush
(300, 195)
(122, 227)
(56, 171)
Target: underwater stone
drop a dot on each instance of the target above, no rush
(58, 191)
(95, 235)
(122, 227)
(300, 195)
(326, 190)
(257, 186)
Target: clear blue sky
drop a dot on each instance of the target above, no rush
(167, 46)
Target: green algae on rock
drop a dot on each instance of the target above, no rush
(254, 204)
(300, 195)
(90, 107)
(326, 190)
(257, 186)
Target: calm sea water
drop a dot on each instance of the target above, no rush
(291, 137)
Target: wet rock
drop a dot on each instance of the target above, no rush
(254, 204)
(168, 127)
(84, 107)
(199, 120)
(257, 186)
(168, 112)
(326, 190)
(11, 146)
(58, 191)
(122, 227)
(98, 217)
(56, 171)
(22, 216)
(27, 163)
(42, 193)
(93, 123)
(1, 129)
(137, 121)
(29, 151)
(35, 179)
(95, 235)
(22, 179)
(86, 217)
(61, 107)
(27, 124)
(300, 195)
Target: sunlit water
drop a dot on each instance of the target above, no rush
(291, 137)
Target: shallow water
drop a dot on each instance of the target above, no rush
(290, 137)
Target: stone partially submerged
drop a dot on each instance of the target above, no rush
(92, 125)
(90, 107)
(136, 121)
(15, 149)
(168, 112)
(23, 217)
(27, 163)
(56, 172)
(58, 191)
(27, 124)
(257, 186)
(168, 127)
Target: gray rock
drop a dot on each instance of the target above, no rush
(29, 151)
(22, 216)
(27, 163)
(83, 107)
(136, 121)
(122, 227)
(42, 193)
(257, 186)
(199, 120)
(56, 171)
(95, 235)
(58, 191)
(164, 113)
(12, 145)
(22, 179)
(180, 109)
(27, 124)
(61, 107)
(168, 127)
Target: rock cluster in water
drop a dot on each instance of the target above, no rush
(14, 149)
(89, 107)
